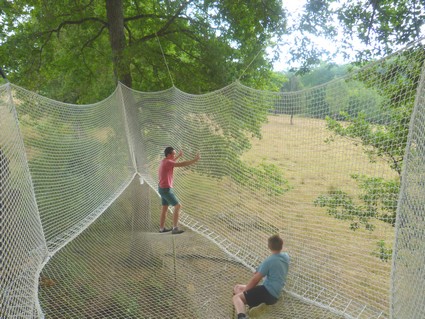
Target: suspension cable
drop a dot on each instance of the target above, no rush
(165, 60)
(250, 63)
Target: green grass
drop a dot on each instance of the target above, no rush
(312, 168)
(323, 248)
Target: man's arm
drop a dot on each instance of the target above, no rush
(187, 163)
(254, 281)
(179, 155)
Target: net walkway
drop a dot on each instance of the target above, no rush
(336, 170)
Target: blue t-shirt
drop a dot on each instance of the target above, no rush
(275, 268)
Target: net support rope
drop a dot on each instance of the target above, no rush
(165, 60)
(79, 207)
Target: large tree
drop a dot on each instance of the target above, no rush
(362, 29)
(394, 82)
(370, 29)
(71, 50)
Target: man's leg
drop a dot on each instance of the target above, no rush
(239, 302)
(238, 289)
(164, 210)
(176, 215)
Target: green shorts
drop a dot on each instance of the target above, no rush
(168, 198)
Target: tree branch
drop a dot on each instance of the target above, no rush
(144, 16)
(89, 41)
(174, 17)
(162, 30)
(130, 35)
(49, 34)
(72, 22)
(370, 24)
(76, 8)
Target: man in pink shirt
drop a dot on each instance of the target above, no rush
(165, 187)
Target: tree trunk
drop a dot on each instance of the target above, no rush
(115, 16)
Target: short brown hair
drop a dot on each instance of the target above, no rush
(275, 243)
(168, 150)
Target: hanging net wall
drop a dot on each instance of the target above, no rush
(323, 167)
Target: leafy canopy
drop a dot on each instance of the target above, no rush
(69, 50)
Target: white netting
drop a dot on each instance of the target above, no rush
(408, 272)
(322, 167)
(22, 244)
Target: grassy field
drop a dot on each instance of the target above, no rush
(310, 164)
(312, 168)
(324, 249)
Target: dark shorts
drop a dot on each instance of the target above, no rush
(168, 198)
(258, 295)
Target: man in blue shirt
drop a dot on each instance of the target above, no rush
(275, 269)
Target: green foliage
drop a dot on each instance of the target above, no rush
(340, 205)
(380, 196)
(331, 98)
(377, 140)
(69, 55)
(382, 26)
(64, 153)
(395, 81)
(276, 80)
(377, 200)
(382, 251)
(62, 49)
(316, 104)
(322, 74)
(392, 84)
(225, 126)
(383, 22)
(350, 98)
(265, 176)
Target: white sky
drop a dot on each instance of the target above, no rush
(294, 7)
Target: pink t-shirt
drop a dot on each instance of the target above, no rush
(165, 173)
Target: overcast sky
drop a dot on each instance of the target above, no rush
(294, 8)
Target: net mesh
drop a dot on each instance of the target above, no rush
(323, 167)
